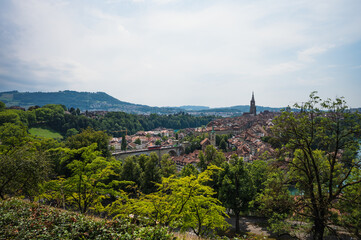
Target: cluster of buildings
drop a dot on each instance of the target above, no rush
(166, 137)
(247, 131)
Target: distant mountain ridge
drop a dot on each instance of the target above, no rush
(91, 101)
(101, 101)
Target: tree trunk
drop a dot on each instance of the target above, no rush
(237, 222)
(319, 230)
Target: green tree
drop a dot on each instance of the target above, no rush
(189, 170)
(151, 174)
(9, 116)
(350, 207)
(275, 201)
(88, 137)
(258, 170)
(137, 141)
(71, 132)
(168, 166)
(210, 156)
(130, 170)
(185, 202)
(124, 144)
(2, 106)
(87, 186)
(314, 141)
(22, 170)
(236, 187)
(12, 135)
(223, 145)
(23, 161)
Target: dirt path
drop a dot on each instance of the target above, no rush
(253, 225)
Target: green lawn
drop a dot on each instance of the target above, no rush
(46, 133)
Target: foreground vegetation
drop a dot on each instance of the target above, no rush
(24, 220)
(315, 153)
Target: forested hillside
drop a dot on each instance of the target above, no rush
(83, 100)
(58, 118)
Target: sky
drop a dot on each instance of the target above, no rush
(184, 52)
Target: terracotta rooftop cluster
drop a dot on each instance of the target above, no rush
(247, 132)
(147, 139)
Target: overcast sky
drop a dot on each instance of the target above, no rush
(174, 52)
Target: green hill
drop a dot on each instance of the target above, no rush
(91, 101)
(100, 101)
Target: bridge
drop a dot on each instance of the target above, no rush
(171, 150)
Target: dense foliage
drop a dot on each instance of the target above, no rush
(114, 123)
(23, 220)
(319, 156)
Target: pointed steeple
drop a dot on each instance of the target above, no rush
(252, 109)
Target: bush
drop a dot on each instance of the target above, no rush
(23, 220)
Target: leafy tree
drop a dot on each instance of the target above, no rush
(87, 187)
(21, 171)
(314, 141)
(223, 145)
(137, 141)
(9, 116)
(350, 207)
(11, 136)
(236, 187)
(185, 202)
(123, 147)
(151, 174)
(168, 166)
(23, 162)
(2, 106)
(130, 170)
(189, 170)
(71, 132)
(275, 201)
(158, 142)
(88, 137)
(210, 156)
(258, 170)
(54, 192)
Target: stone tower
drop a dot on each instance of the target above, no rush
(213, 137)
(252, 109)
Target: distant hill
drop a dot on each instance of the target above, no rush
(234, 110)
(193, 108)
(91, 101)
(100, 101)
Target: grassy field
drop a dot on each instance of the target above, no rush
(46, 133)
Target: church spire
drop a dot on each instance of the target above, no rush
(252, 109)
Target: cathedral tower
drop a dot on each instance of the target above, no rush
(252, 109)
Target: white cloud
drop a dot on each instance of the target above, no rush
(308, 54)
(188, 52)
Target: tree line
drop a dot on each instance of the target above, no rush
(57, 117)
